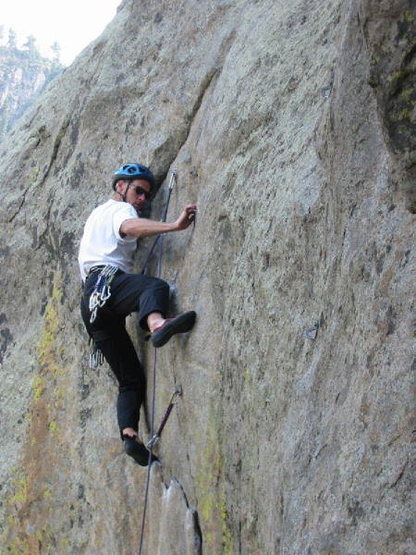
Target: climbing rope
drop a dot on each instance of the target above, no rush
(172, 182)
(178, 391)
(152, 418)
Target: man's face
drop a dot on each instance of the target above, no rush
(137, 192)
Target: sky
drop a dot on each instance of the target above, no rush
(73, 24)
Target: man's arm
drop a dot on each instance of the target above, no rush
(142, 227)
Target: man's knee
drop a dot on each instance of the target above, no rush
(133, 383)
(101, 336)
(159, 290)
(160, 284)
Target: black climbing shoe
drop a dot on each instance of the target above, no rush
(181, 324)
(137, 451)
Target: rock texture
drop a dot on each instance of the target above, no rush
(291, 125)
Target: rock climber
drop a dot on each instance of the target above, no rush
(111, 291)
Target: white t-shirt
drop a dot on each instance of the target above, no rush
(101, 242)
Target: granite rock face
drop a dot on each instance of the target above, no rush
(291, 126)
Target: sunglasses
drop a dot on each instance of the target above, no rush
(139, 191)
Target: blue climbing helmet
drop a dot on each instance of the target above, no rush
(133, 171)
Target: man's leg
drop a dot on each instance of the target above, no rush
(138, 293)
(130, 293)
(110, 336)
(118, 350)
(150, 297)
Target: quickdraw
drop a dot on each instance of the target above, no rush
(102, 291)
(173, 400)
(96, 357)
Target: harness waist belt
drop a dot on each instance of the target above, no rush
(95, 269)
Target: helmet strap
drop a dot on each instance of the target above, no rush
(124, 195)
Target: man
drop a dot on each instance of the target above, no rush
(111, 291)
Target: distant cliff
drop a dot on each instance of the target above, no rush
(23, 75)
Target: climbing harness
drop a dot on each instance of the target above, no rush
(178, 390)
(173, 400)
(102, 291)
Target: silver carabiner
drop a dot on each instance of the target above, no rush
(106, 293)
(93, 315)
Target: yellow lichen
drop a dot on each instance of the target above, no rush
(45, 539)
(212, 503)
(43, 419)
(48, 350)
(227, 540)
(404, 114)
(20, 487)
(59, 393)
(396, 76)
(47, 494)
(407, 93)
(17, 546)
(38, 387)
(53, 427)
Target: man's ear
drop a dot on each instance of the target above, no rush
(121, 186)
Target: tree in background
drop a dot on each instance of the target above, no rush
(56, 49)
(30, 44)
(24, 73)
(12, 39)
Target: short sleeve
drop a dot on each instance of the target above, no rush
(125, 212)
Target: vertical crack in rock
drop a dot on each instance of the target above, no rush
(173, 525)
(171, 147)
(18, 209)
(393, 78)
(205, 85)
(55, 149)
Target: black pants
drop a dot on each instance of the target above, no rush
(129, 293)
